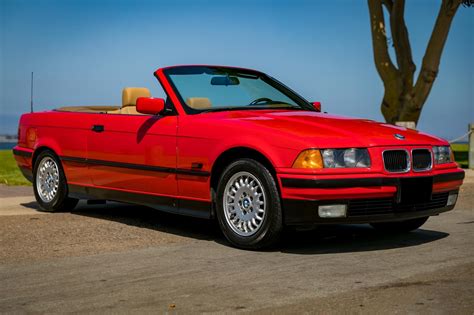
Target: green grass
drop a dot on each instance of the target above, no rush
(9, 172)
(461, 153)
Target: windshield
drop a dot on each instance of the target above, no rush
(204, 89)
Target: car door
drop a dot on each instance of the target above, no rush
(133, 158)
(69, 132)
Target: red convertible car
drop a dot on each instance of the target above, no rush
(237, 145)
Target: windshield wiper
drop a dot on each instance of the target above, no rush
(221, 109)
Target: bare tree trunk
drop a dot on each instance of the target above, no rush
(403, 100)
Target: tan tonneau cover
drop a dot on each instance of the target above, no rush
(88, 109)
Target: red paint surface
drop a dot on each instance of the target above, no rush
(181, 140)
(150, 105)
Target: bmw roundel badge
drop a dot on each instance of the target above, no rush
(399, 136)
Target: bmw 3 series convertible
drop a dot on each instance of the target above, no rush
(238, 146)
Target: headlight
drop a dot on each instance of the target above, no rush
(443, 154)
(333, 158)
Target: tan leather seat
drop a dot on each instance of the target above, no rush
(129, 99)
(199, 102)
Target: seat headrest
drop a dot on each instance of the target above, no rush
(130, 95)
(198, 102)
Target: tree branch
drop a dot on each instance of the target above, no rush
(383, 63)
(434, 50)
(401, 42)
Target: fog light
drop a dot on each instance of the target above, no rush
(332, 211)
(452, 198)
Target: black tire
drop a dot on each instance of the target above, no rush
(60, 202)
(270, 228)
(400, 226)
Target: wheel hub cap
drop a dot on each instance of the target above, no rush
(47, 179)
(244, 203)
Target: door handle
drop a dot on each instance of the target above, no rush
(98, 128)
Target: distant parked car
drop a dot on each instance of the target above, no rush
(237, 145)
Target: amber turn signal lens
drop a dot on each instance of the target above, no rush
(309, 159)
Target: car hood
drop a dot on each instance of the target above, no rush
(318, 128)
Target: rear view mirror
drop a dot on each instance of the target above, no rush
(317, 106)
(225, 80)
(150, 105)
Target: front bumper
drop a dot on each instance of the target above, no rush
(368, 199)
(301, 212)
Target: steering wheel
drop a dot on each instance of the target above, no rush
(261, 99)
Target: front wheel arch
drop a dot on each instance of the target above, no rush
(234, 154)
(229, 156)
(270, 225)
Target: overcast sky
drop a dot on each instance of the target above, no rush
(85, 52)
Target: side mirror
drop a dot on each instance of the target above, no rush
(150, 105)
(317, 106)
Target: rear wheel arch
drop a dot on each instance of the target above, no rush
(58, 186)
(39, 150)
(42, 149)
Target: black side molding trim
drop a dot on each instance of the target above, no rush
(22, 153)
(361, 182)
(142, 167)
(338, 183)
(448, 177)
(193, 208)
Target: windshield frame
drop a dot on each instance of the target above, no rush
(299, 100)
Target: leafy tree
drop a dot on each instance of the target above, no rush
(404, 95)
